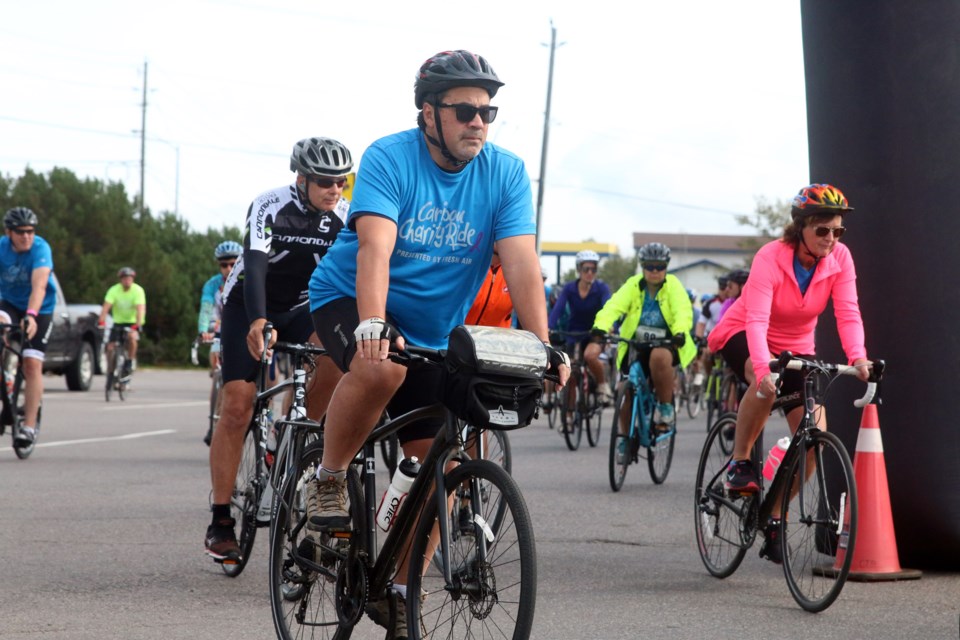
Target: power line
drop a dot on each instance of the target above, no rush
(630, 196)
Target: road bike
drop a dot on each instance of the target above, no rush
(633, 429)
(11, 396)
(479, 580)
(119, 368)
(578, 402)
(216, 384)
(813, 494)
(257, 479)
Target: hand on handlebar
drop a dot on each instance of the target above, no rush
(766, 387)
(863, 368)
(255, 344)
(558, 364)
(374, 337)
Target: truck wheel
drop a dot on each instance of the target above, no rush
(80, 371)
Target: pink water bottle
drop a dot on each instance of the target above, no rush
(774, 458)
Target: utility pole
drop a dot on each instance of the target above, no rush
(143, 142)
(546, 135)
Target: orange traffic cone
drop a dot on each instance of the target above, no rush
(875, 550)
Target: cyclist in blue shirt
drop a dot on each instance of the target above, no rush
(430, 207)
(584, 296)
(28, 296)
(208, 325)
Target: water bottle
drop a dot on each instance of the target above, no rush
(393, 497)
(774, 458)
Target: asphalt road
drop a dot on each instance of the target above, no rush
(101, 537)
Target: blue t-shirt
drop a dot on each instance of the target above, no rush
(804, 276)
(651, 315)
(208, 299)
(16, 269)
(446, 226)
(582, 310)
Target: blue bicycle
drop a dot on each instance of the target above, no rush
(633, 430)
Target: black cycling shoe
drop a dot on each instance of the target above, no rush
(220, 542)
(742, 477)
(772, 549)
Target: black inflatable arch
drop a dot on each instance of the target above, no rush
(883, 116)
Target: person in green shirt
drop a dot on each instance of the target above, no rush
(126, 301)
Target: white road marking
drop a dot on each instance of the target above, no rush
(126, 436)
(158, 405)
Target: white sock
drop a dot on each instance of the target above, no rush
(326, 474)
(401, 589)
(31, 430)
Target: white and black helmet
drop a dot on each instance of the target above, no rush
(654, 252)
(587, 256)
(321, 157)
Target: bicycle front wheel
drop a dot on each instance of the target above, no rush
(494, 571)
(593, 412)
(111, 375)
(818, 526)
(243, 502)
(694, 399)
(660, 454)
(573, 414)
(304, 564)
(724, 533)
(621, 452)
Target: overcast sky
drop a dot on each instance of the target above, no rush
(666, 116)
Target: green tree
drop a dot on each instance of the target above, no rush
(769, 219)
(94, 228)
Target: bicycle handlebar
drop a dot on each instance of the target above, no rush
(788, 361)
(414, 356)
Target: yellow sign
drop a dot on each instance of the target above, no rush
(572, 248)
(348, 188)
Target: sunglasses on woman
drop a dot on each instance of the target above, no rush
(824, 231)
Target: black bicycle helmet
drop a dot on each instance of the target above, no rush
(654, 252)
(449, 69)
(20, 217)
(739, 276)
(321, 157)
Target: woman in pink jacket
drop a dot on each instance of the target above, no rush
(791, 281)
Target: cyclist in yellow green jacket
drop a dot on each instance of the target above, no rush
(652, 304)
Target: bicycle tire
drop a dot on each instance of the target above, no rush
(593, 412)
(495, 597)
(573, 433)
(730, 393)
(694, 400)
(215, 399)
(121, 360)
(660, 454)
(552, 414)
(712, 396)
(815, 525)
(722, 540)
(497, 447)
(303, 602)
(244, 501)
(111, 374)
(618, 464)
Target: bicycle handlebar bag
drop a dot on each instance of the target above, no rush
(493, 377)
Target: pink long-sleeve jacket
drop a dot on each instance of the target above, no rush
(776, 317)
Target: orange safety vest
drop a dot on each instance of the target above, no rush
(493, 306)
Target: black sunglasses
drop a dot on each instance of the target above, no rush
(23, 232)
(654, 267)
(467, 112)
(326, 183)
(823, 231)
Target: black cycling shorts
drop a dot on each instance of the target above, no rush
(644, 356)
(334, 323)
(36, 346)
(736, 353)
(236, 361)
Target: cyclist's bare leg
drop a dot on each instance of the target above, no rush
(751, 416)
(227, 443)
(591, 356)
(132, 340)
(322, 383)
(662, 373)
(360, 398)
(33, 377)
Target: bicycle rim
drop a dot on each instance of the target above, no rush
(819, 523)
(660, 455)
(552, 413)
(243, 502)
(619, 461)
(594, 420)
(493, 588)
(694, 400)
(721, 539)
(303, 600)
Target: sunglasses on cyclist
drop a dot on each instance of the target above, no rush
(467, 112)
(326, 183)
(586, 269)
(24, 232)
(647, 266)
(227, 265)
(823, 231)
